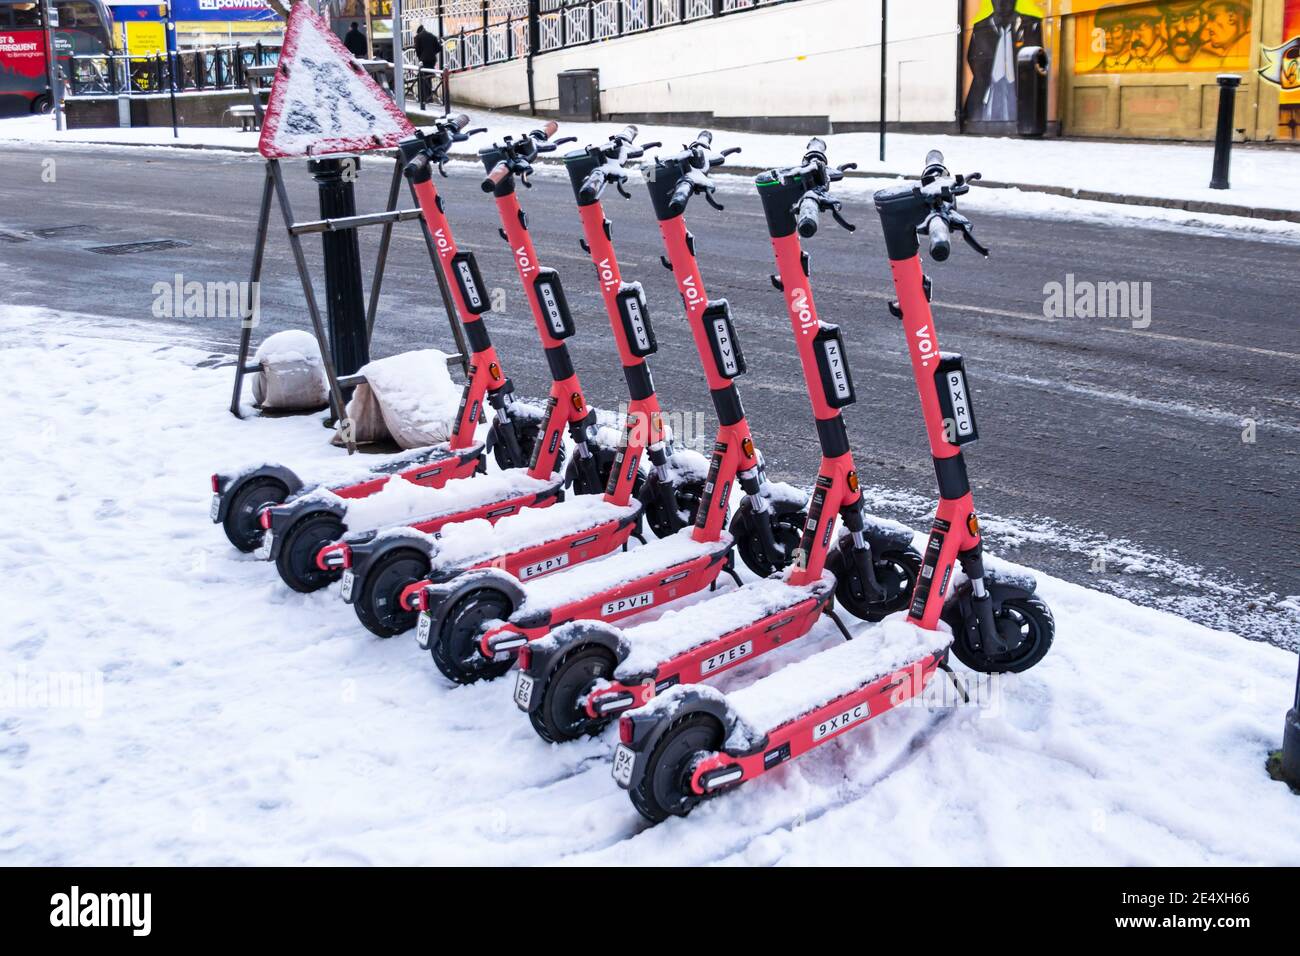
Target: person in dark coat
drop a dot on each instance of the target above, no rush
(428, 50)
(994, 43)
(355, 41)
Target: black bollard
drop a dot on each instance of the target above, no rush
(1228, 84)
(344, 299)
(1290, 753)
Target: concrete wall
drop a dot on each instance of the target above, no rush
(192, 109)
(815, 60)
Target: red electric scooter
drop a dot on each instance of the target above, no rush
(240, 498)
(393, 569)
(298, 530)
(693, 742)
(708, 638)
(553, 683)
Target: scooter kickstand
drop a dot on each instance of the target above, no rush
(956, 681)
(830, 612)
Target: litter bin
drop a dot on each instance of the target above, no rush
(580, 95)
(1031, 91)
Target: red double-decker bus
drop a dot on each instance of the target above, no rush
(84, 26)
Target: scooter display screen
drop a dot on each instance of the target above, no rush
(636, 323)
(727, 357)
(837, 381)
(464, 270)
(555, 307)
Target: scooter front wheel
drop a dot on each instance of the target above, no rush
(786, 520)
(1025, 624)
(379, 605)
(669, 513)
(455, 647)
(562, 715)
(896, 573)
(242, 523)
(665, 789)
(296, 559)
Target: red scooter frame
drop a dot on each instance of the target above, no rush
(807, 589)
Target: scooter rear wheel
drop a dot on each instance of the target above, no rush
(455, 646)
(242, 523)
(896, 572)
(1026, 624)
(379, 605)
(665, 789)
(787, 520)
(296, 560)
(561, 717)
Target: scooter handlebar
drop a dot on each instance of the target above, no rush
(940, 239)
(493, 179)
(417, 167)
(806, 218)
(681, 196)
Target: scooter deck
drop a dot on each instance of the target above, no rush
(720, 625)
(604, 575)
(471, 544)
(799, 689)
(405, 504)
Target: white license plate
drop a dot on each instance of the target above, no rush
(215, 507)
(523, 690)
(624, 757)
(264, 549)
(346, 584)
(422, 629)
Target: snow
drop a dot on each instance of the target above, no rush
(290, 345)
(471, 542)
(1159, 172)
(400, 501)
(593, 577)
(679, 631)
(236, 722)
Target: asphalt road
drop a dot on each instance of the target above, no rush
(1098, 440)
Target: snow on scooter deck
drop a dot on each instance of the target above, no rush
(475, 542)
(403, 501)
(605, 574)
(802, 687)
(678, 632)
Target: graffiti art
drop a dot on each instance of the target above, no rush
(1183, 36)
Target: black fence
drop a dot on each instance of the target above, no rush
(203, 68)
(569, 23)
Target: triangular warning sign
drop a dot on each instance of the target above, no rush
(322, 100)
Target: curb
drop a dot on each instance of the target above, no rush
(1093, 195)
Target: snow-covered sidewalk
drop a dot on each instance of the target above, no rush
(1164, 173)
(224, 719)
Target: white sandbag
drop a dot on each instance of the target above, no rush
(292, 374)
(409, 397)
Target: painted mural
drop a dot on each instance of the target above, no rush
(998, 30)
(1183, 36)
(1280, 65)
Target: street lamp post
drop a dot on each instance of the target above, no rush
(52, 62)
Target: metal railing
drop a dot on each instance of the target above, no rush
(482, 32)
(201, 68)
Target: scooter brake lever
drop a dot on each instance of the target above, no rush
(731, 151)
(835, 214)
(621, 191)
(708, 198)
(564, 139)
(974, 243)
(845, 167)
(442, 168)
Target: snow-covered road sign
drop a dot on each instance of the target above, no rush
(322, 101)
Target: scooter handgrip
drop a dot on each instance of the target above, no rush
(934, 158)
(681, 196)
(592, 185)
(417, 168)
(493, 179)
(705, 138)
(627, 133)
(807, 217)
(549, 129)
(460, 121)
(940, 240)
(816, 144)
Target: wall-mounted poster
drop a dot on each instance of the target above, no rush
(998, 29)
(1184, 36)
